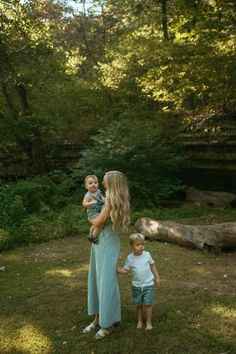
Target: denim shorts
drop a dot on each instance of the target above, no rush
(143, 296)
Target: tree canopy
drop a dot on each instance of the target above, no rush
(69, 69)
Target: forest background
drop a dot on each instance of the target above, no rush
(120, 78)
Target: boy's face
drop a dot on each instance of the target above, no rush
(138, 246)
(91, 184)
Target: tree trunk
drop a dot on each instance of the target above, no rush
(38, 155)
(216, 236)
(36, 144)
(32, 147)
(164, 20)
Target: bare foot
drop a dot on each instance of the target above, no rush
(139, 325)
(149, 327)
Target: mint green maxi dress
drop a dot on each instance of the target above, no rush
(103, 288)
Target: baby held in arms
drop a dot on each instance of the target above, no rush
(93, 202)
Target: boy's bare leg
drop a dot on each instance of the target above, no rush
(148, 311)
(139, 313)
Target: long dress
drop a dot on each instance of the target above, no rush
(103, 288)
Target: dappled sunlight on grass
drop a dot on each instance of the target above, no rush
(223, 311)
(201, 271)
(27, 339)
(13, 256)
(193, 308)
(68, 273)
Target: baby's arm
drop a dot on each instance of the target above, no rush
(88, 201)
(155, 273)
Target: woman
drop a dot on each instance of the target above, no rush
(103, 290)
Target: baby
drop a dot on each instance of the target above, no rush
(144, 276)
(93, 202)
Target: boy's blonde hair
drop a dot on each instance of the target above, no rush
(134, 237)
(89, 176)
(117, 197)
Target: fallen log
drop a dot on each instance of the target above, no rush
(216, 236)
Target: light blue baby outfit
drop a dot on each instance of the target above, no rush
(95, 209)
(103, 288)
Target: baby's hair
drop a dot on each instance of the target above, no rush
(134, 237)
(89, 176)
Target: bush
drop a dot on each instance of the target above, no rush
(12, 209)
(73, 220)
(147, 152)
(70, 221)
(40, 208)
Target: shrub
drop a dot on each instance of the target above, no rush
(73, 220)
(147, 152)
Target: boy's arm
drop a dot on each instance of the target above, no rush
(155, 273)
(125, 269)
(122, 270)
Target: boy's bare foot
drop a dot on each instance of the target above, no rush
(139, 325)
(149, 327)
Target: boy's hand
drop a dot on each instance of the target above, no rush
(157, 282)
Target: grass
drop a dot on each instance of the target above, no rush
(44, 291)
(189, 215)
(71, 220)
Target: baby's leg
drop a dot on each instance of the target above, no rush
(94, 232)
(91, 237)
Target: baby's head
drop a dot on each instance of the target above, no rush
(136, 241)
(91, 183)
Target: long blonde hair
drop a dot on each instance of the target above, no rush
(117, 196)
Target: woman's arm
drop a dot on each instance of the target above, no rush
(102, 217)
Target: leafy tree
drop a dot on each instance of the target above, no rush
(146, 151)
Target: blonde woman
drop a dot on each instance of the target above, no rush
(103, 289)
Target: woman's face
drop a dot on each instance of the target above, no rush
(104, 182)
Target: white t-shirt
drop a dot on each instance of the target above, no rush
(140, 268)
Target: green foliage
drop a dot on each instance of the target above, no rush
(110, 80)
(190, 71)
(72, 220)
(40, 208)
(145, 151)
(12, 209)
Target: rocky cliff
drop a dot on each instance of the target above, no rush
(210, 145)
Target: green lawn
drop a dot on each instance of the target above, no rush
(43, 302)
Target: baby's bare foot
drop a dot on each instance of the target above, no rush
(139, 325)
(149, 327)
